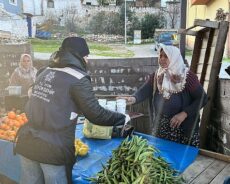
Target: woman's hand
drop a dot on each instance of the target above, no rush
(29, 92)
(129, 99)
(176, 120)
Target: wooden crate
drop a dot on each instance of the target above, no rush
(206, 61)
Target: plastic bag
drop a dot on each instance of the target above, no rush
(91, 130)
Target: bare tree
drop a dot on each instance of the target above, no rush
(70, 15)
(48, 23)
(147, 3)
(172, 12)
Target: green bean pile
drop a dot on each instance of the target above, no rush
(133, 162)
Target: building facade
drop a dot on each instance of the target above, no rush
(12, 6)
(172, 12)
(12, 19)
(205, 11)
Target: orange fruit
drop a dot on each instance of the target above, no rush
(18, 118)
(5, 127)
(11, 115)
(21, 122)
(17, 123)
(10, 122)
(6, 120)
(25, 119)
(23, 114)
(1, 132)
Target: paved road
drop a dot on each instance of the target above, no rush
(224, 74)
(146, 50)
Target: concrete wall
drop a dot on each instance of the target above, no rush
(225, 114)
(116, 76)
(120, 76)
(33, 7)
(60, 6)
(17, 27)
(219, 128)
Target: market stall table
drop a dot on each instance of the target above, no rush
(180, 156)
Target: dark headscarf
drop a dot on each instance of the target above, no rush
(75, 45)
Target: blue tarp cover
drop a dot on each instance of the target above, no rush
(9, 163)
(180, 156)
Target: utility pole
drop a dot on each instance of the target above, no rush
(183, 16)
(125, 26)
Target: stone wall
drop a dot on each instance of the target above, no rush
(104, 38)
(86, 12)
(140, 12)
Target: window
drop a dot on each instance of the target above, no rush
(14, 2)
(50, 4)
(88, 3)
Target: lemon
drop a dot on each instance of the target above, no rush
(84, 146)
(80, 143)
(83, 151)
(80, 148)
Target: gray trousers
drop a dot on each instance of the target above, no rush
(33, 172)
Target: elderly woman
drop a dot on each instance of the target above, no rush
(176, 97)
(24, 75)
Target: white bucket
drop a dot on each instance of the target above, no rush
(102, 102)
(121, 106)
(111, 105)
(14, 90)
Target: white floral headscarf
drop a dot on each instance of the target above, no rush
(165, 84)
(29, 73)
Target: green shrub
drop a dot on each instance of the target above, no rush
(149, 23)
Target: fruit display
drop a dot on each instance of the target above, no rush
(81, 148)
(10, 123)
(136, 162)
